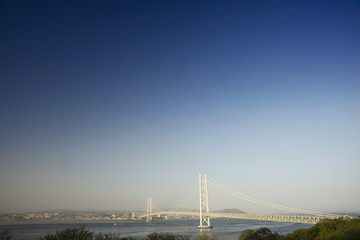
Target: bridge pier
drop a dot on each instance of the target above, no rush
(204, 203)
(149, 209)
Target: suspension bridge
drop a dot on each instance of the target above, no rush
(269, 211)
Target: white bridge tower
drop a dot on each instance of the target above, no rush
(149, 209)
(204, 203)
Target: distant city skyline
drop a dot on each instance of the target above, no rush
(103, 104)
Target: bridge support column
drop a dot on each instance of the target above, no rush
(149, 209)
(204, 203)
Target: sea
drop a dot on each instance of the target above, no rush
(223, 229)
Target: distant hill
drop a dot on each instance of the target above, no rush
(232, 210)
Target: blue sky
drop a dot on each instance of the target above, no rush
(104, 104)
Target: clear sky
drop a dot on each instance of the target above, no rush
(103, 103)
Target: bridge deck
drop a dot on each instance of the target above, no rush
(312, 219)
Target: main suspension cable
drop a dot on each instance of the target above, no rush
(263, 203)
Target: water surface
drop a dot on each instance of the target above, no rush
(223, 229)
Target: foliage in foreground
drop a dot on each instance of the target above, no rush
(6, 235)
(205, 237)
(342, 228)
(261, 234)
(81, 233)
(166, 236)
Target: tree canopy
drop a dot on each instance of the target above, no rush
(343, 228)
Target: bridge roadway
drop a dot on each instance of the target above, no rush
(312, 219)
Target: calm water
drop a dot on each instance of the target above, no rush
(224, 229)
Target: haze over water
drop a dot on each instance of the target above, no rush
(103, 104)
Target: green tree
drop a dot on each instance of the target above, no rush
(342, 228)
(260, 234)
(111, 236)
(264, 234)
(205, 237)
(80, 233)
(165, 236)
(6, 235)
(248, 234)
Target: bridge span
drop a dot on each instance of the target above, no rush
(288, 215)
(258, 216)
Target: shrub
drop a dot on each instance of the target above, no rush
(205, 237)
(80, 233)
(6, 235)
(165, 236)
(260, 234)
(342, 228)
